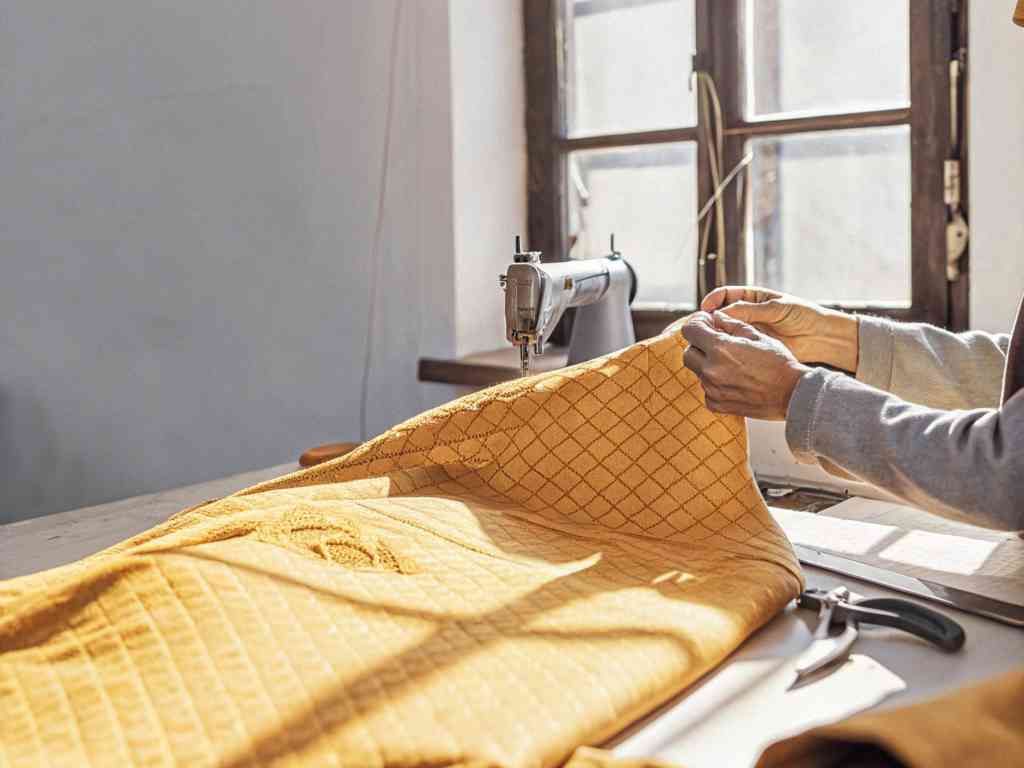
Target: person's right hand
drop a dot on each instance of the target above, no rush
(814, 334)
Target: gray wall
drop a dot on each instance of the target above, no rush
(187, 201)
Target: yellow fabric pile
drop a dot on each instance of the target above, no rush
(982, 725)
(494, 582)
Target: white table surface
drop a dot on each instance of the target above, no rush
(991, 648)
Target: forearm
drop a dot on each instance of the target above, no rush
(931, 366)
(968, 465)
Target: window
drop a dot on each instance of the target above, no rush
(830, 125)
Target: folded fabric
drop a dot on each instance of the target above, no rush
(494, 582)
(588, 757)
(979, 725)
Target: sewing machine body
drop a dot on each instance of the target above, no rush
(538, 294)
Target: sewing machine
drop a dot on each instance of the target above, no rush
(538, 294)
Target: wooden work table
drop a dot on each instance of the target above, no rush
(991, 648)
(45, 542)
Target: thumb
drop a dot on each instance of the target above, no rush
(735, 327)
(759, 313)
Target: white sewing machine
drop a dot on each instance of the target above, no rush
(538, 294)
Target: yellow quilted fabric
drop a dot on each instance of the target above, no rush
(494, 582)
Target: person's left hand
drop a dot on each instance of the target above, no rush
(743, 371)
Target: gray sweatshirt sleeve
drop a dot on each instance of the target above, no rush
(932, 366)
(964, 464)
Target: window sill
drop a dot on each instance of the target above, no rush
(485, 369)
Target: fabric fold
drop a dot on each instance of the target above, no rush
(494, 582)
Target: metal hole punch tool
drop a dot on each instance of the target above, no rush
(839, 619)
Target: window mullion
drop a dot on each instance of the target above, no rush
(930, 44)
(719, 55)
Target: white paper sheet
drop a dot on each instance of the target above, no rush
(909, 541)
(728, 724)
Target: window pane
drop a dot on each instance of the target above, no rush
(629, 65)
(647, 197)
(820, 56)
(831, 215)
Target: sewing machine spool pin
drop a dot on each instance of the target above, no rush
(538, 294)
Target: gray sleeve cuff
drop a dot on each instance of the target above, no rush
(875, 340)
(802, 414)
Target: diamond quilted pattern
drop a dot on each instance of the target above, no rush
(494, 582)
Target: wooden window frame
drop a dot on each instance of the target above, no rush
(937, 31)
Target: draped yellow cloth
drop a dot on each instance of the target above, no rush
(979, 725)
(494, 582)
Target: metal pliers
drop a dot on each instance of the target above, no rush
(839, 617)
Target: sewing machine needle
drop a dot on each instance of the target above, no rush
(524, 359)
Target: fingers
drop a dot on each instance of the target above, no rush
(699, 330)
(742, 371)
(716, 299)
(729, 294)
(764, 313)
(695, 360)
(723, 296)
(734, 327)
(717, 397)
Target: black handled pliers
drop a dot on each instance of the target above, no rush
(839, 617)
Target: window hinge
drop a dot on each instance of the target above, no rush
(951, 184)
(957, 230)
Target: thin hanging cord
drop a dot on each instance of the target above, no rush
(702, 280)
(378, 228)
(720, 241)
(711, 143)
(743, 163)
(706, 230)
(714, 140)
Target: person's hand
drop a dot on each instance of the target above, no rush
(814, 334)
(743, 371)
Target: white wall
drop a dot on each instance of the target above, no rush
(489, 161)
(996, 130)
(187, 209)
